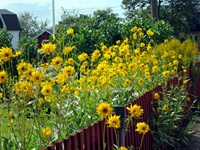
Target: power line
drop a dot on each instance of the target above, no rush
(71, 9)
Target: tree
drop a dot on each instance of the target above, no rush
(177, 12)
(91, 30)
(5, 38)
(31, 27)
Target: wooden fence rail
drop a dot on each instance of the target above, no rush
(92, 137)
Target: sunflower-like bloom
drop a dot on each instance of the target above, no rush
(46, 132)
(104, 109)
(6, 53)
(142, 127)
(123, 148)
(68, 49)
(56, 62)
(127, 82)
(48, 48)
(113, 121)
(37, 76)
(150, 33)
(155, 69)
(95, 55)
(47, 89)
(156, 96)
(135, 110)
(3, 76)
(165, 108)
(22, 67)
(1, 95)
(69, 70)
(166, 73)
(82, 56)
(70, 61)
(61, 78)
(70, 31)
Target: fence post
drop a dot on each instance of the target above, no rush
(121, 110)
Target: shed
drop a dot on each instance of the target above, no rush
(44, 36)
(10, 22)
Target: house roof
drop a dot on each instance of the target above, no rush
(9, 19)
(50, 31)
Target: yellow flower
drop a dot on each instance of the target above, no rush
(3, 76)
(139, 29)
(48, 99)
(142, 127)
(104, 109)
(155, 69)
(37, 77)
(141, 34)
(142, 44)
(127, 82)
(118, 42)
(156, 96)
(68, 49)
(140, 81)
(175, 62)
(11, 115)
(134, 36)
(188, 99)
(82, 56)
(123, 148)
(70, 31)
(150, 33)
(70, 61)
(95, 55)
(113, 121)
(69, 70)
(166, 41)
(48, 48)
(56, 62)
(40, 101)
(17, 53)
(166, 73)
(1, 95)
(47, 89)
(135, 110)
(5, 53)
(185, 81)
(22, 67)
(46, 131)
(26, 87)
(61, 78)
(165, 108)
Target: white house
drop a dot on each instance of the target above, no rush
(9, 21)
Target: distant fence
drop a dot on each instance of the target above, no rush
(91, 138)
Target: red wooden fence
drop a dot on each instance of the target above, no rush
(91, 138)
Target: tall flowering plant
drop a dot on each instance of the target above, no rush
(57, 95)
(105, 110)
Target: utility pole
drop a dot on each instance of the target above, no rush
(154, 9)
(53, 15)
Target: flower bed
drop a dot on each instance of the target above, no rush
(58, 94)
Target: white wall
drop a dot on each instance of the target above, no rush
(15, 39)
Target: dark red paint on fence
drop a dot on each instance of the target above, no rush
(93, 137)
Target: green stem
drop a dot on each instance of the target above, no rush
(116, 137)
(141, 142)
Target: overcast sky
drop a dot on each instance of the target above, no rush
(43, 8)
